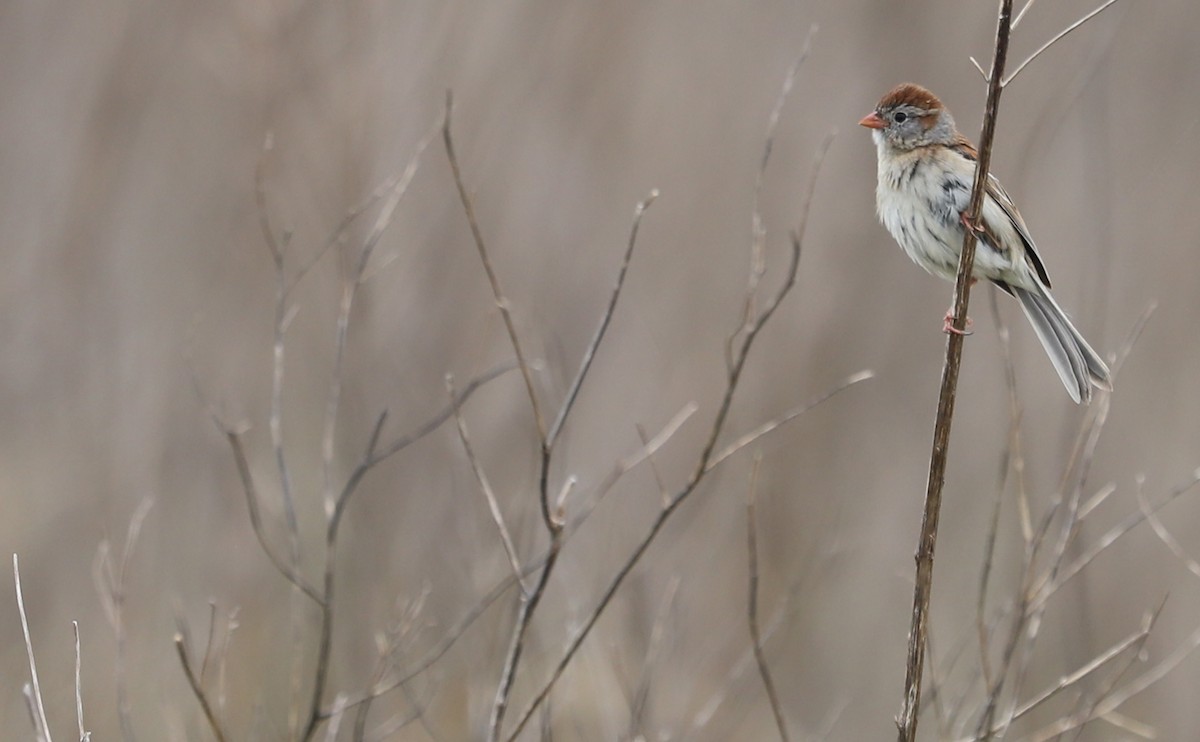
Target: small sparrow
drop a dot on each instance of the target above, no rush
(926, 170)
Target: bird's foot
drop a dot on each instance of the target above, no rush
(949, 328)
(970, 224)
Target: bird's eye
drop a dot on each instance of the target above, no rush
(900, 117)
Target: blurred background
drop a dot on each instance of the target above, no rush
(133, 261)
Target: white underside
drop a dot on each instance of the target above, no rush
(920, 199)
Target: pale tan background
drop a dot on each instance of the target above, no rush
(130, 133)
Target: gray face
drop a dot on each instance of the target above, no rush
(908, 127)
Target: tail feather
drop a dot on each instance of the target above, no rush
(1079, 367)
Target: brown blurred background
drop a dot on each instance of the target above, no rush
(130, 137)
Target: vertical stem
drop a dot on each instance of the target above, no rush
(907, 720)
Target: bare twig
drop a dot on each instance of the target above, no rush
(231, 625)
(1136, 639)
(278, 250)
(553, 517)
(84, 735)
(778, 421)
(758, 230)
(1164, 535)
(642, 694)
(907, 720)
(752, 602)
(702, 468)
(335, 718)
(982, 74)
(208, 643)
(1017, 21)
(350, 286)
(590, 353)
(497, 293)
(630, 462)
(41, 726)
(372, 457)
(510, 549)
(554, 525)
(197, 689)
(110, 585)
(664, 493)
(1056, 39)
(1109, 538)
(1116, 699)
(289, 571)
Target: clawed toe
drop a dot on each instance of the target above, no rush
(966, 222)
(949, 328)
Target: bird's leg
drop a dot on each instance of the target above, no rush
(948, 322)
(970, 224)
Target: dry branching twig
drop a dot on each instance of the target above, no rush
(33, 689)
(706, 461)
(110, 581)
(510, 550)
(553, 516)
(198, 689)
(84, 735)
(1054, 40)
(752, 601)
(642, 693)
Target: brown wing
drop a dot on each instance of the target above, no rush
(1001, 197)
(964, 147)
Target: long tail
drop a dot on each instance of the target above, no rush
(1079, 367)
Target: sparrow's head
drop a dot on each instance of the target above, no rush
(908, 117)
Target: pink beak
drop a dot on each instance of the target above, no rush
(872, 121)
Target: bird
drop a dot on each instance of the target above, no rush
(926, 172)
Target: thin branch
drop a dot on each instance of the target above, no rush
(231, 625)
(350, 286)
(110, 585)
(197, 689)
(452, 635)
(510, 549)
(84, 735)
(598, 337)
(779, 421)
(208, 643)
(433, 423)
(277, 247)
(42, 727)
(663, 492)
(1165, 535)
(234, 436)
(657, 631)
(517, 644)
(1032, 614)
(752, 601)
(907, 720)
(1117, 699)
(630, 462)
(553, 518)
(702, 468)
(758, 230)
(371, 458)
(1136, 639)
(989, 549)
(552, 521)
(982, 74)
(1109, 538)
(1017, 21)
(1056, 39)
(31, 709)
(498, 295)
